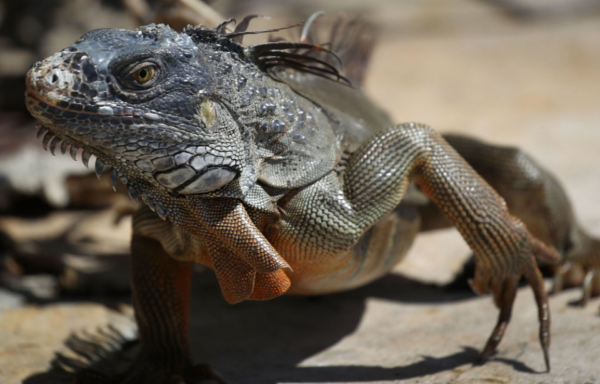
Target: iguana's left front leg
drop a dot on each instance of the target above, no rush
(536, 197)
(338, 210)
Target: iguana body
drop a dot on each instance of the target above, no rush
(280, 184)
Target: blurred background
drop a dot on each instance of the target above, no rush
(513, 72)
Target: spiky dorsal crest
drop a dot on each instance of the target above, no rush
(275, 54)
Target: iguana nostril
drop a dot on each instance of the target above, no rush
(57, 78)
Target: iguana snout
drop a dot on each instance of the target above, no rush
(50, 77)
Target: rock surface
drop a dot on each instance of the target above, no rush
(395, 330)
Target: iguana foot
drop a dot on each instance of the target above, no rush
(588, 280)
(149, 373)
(580, 267)
(504, 290)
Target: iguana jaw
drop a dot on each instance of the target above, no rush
(53, 135)
(141, 176)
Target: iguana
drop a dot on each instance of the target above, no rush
(260, 163)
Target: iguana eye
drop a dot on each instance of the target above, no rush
(144, 74)
(141, 75)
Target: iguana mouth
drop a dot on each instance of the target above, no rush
(203, 174)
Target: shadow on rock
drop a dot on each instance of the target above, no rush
(102, 353)
(518, 366)
(264, 342)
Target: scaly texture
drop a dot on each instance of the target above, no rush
(536, 197)
(280, 181)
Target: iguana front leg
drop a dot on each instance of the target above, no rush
(161, 292)
(161, 300)
(536, 197)
(339, 210)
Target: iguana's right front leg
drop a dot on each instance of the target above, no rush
(161, 288)
(331, 215)
(161, 293)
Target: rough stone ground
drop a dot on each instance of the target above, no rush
(460, 66)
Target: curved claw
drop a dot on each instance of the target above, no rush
(504, 297)
(505, 291)
(547, 254)
(586, 288)
(541, 297)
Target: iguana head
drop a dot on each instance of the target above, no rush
(180, 114)
(139, 101)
